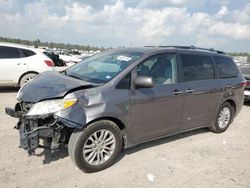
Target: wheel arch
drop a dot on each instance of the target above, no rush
(28, 72)
(118, 122)
(232, 103)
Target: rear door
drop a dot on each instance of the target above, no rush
(12, 65)
(156, 111)
(202, 91)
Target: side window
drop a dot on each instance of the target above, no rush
(27, 53)
(125, 82)
(9, 52)
(226, 67)
(162, 68)
(197, 67)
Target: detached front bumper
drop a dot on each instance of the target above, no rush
(34, 129)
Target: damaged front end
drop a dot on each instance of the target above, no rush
(36, 128)
(49, 110)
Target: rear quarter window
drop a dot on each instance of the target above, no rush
(226, 68)
(27, 53)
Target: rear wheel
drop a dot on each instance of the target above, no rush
(223, 119)
(95, 147)
(26, 78)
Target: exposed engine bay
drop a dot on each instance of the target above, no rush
(34, 129)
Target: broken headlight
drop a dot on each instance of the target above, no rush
(50, 106)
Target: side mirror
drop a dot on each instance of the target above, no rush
(144, 82)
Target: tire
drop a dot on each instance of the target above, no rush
(81, 141)
(221, 127)
(26, 78)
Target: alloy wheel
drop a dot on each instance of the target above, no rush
(99, 147)
(224, 117)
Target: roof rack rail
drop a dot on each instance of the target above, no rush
(181, 47)
(192, 48)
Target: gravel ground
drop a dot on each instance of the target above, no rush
(194, 159)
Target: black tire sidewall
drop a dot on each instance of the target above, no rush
(84, 135)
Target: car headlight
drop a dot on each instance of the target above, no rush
(50, 106)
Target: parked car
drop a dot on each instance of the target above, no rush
(79, 55)
(124, 97)
(245, 70)
(55, 58)
(68, 58)
(19, 64)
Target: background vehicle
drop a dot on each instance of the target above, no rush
(124, 97)
(68, 58)
(245, 70)
(55, 58)
(19, 64)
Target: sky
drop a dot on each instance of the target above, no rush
(219, 24)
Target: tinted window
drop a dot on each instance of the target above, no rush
(125, 82)
(197, 67)
(9, 52)
(27, 53)
(226, 67)
(161, 68)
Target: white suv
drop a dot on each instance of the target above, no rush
(19, 64)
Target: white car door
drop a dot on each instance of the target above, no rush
(12, 65)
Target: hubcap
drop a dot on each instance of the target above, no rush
(28, 79)
(224, 117)
(99, 147)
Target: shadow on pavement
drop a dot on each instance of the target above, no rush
(160, 142)
(48, 157)
(247, 103)
(9, 89)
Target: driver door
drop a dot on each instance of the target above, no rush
(156, 111)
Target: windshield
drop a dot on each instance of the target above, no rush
(103, 67)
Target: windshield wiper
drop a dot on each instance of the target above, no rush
(95, 82)
(73, 76)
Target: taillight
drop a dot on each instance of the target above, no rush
(49, 63)
(246, 83)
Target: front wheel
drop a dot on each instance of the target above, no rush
(223, 119)
(95, 147)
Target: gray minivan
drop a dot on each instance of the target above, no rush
(124, 97)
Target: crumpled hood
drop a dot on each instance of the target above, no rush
(50, 85)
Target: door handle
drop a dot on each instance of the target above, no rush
(177, 92)
(21, 63)
(189, 90)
